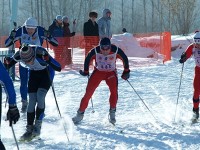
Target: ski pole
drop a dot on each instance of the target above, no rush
(179, 90)
(91, 98)
(14, 136)
(54, 94)
(141, 99)
(59, 111)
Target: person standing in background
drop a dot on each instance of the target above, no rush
(29, 33)
(67, 34)
(104, 24)
(91, 32)
(56, 29)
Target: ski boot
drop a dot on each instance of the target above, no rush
(112, 115)
(195, 115)
(79, 116)
(37, 128)
(24, 106)
(27, 136)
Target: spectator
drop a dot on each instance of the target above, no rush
(104, 24)
(91, 32)
(56, 29)
(67, 34)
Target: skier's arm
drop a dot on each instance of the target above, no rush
(8, 85)
(11, 61)
(13, 37)
(89, 57)
(42, 53)
(187, 54)
(121, 55)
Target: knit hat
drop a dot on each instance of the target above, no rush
(59, 17)
(31, 23)
(197, 37)
(26, 53)
(65, 19)
(105, 43)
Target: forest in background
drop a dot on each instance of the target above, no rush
(137, 16)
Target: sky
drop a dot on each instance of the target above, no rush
(153, 112)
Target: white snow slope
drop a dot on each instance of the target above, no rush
(146, 118)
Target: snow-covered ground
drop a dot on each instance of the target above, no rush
(145, 113)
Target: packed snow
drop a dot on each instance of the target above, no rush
(152, 113)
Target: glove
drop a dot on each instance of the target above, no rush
(125, 75)
(46, 58)
(73, 33)
(183, 58)
(12, 34)
(7, 62)
(83, 73)
(13, 115)
(74, 22)
(47, 33)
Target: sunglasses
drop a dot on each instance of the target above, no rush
(105, 47)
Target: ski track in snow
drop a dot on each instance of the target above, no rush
(157, 85)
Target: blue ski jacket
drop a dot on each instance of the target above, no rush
(6, 81)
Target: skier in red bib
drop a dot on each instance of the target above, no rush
(194, 49)
(105, 56)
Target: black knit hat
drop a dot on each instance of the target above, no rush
(26, 53)
(105, 43)
(93, 14)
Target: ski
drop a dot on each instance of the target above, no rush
(32, 138)
(116, 128)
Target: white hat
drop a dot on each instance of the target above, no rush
(59, 17)
(197, 37)
(31, 23)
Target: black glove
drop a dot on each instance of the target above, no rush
(73, 33)
(13, 115)
(183, 58)
(125, 75)
(6, 62)
(12, 34)
(83, 73)
(46, 58)
(47, 33)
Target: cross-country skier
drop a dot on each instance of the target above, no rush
(105, 56)
(42, 67)
(29, 33)
(194, 49)
(13, 112)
